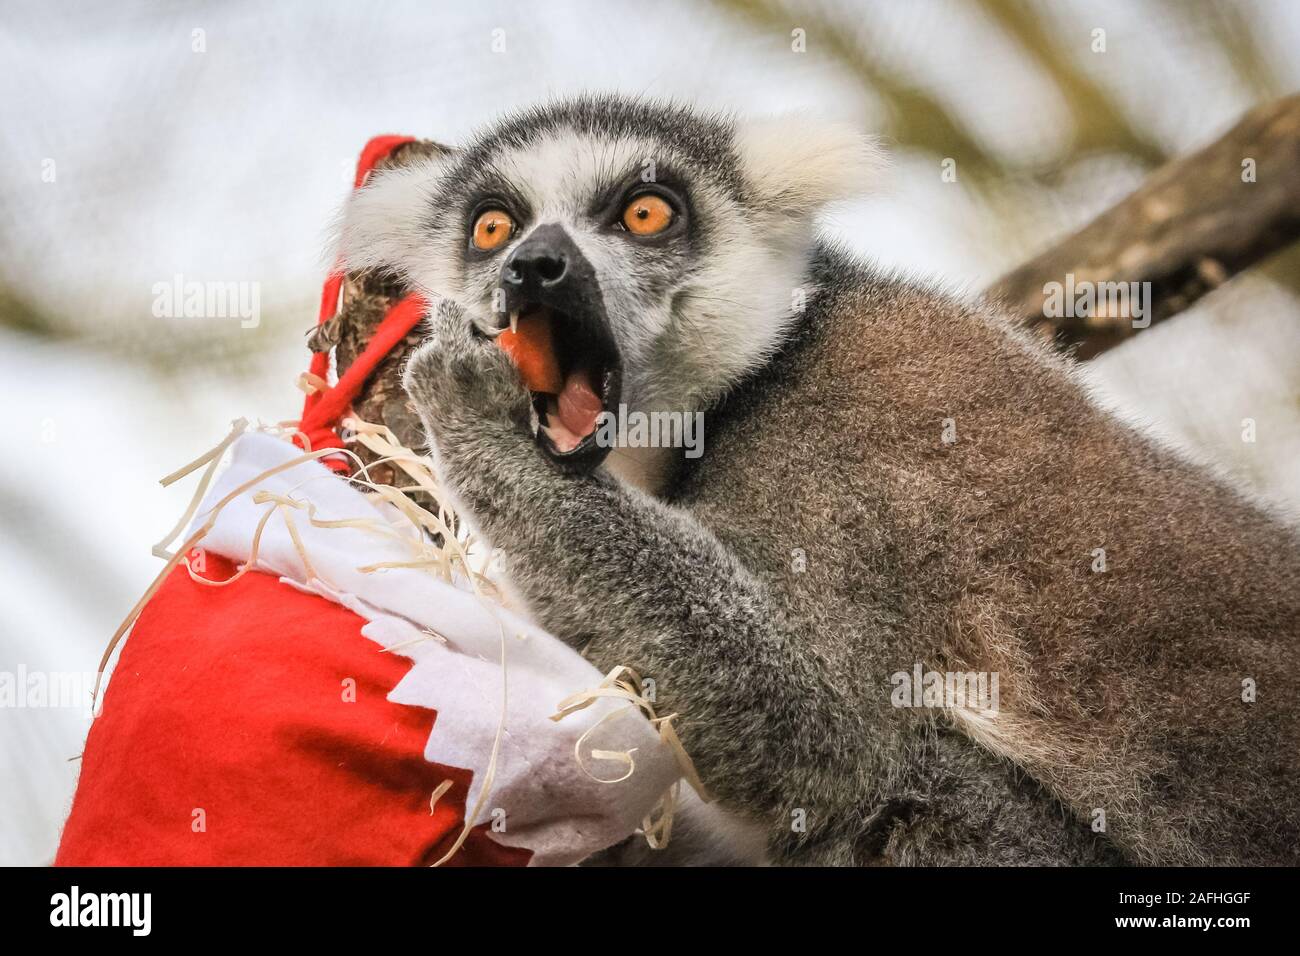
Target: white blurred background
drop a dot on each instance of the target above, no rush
(215, 140)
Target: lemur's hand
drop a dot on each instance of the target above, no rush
(461, 382)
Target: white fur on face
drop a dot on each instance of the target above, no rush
(689, 318)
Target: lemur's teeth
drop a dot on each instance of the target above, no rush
(514, 321)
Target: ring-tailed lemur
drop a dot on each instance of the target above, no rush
(895, 487)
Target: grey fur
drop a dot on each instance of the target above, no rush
(1121, 691)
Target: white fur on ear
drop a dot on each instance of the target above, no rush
(383, 224)
(797, 164)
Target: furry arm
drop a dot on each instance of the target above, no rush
(636, 582)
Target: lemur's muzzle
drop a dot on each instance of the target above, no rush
(547, 279)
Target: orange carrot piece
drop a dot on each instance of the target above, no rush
(532, 349)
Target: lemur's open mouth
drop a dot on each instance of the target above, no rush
(579, 379)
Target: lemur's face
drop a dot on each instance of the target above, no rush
(666, 249)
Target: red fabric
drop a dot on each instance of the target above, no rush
(321, 411)
(231, 701)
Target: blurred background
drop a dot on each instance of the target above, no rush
(213, 142)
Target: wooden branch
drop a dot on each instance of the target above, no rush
(1192, 225)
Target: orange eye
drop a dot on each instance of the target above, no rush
(647, 215)
(492, 230)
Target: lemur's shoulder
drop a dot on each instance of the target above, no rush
(868, 334)
(854, 307)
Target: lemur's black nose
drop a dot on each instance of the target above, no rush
(541, 261)
(544, 267)
(548, 269)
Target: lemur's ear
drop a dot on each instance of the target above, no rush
(796, 164)
(382, 225)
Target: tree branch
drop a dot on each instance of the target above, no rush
(1192, 225)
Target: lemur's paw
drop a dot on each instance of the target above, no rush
(459, 376)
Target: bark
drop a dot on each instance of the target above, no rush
(1196, 222)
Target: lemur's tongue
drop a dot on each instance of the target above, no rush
(578, 408)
